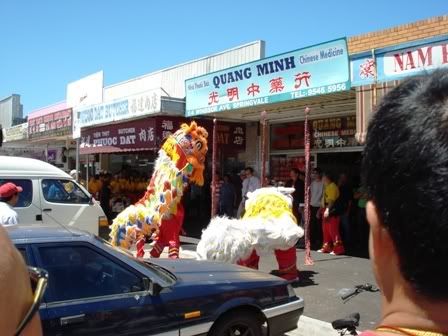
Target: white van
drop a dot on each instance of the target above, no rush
(50, 196)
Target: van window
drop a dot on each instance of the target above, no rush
(26, 196)
(63, 191)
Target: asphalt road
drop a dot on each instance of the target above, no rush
(320, 284)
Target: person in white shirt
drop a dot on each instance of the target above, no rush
(250, 184)
(316, 191)
(9, 196)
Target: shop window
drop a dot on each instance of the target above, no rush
(63, 191)
(26, 196)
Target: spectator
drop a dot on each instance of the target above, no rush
(362, 227)
(250, 184)
(331, 218)
(405, 174)
(316, 192)
(298, 195)
(227, 197)
(345, 203)
(18, 306)
(9, 196)
(105, 196)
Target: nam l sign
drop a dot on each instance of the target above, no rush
(310, 71)
(400, 61)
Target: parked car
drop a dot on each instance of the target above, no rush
(50, 196)
(97, 289)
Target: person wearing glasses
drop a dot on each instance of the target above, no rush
(9, 196)
(21, 292)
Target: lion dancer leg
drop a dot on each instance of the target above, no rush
(327, 246)
(287, 264)
(338, 246)
(251, 262)
(141, 247)
(169, 235)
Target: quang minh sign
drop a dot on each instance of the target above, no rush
(398, 62)
(310, 71)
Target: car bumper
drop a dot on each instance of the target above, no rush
(284, 318)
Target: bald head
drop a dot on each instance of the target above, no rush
(15, 289)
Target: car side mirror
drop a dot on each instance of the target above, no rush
(91, 200)
(152, 287)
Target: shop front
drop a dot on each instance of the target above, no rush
(51, 127)
(378, 71)
(316, 77)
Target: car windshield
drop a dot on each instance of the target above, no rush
(165, 274)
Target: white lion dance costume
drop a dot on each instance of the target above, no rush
(180, 162)
(267, 225)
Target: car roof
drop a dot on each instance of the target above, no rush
(19, 166)
(37, 232)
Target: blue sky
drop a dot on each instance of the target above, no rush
(46, 44)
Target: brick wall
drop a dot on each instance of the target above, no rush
(392, 36)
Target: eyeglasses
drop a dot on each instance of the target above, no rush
(39, 281)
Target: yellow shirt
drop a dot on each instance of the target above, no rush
(331, 193)
(115, 186)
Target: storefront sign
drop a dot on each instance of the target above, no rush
(15, 133)
(326, 133)
(400, 61)
(132, 135)
(50, 125)
(229, 135)
(134, 106)
(310, 71)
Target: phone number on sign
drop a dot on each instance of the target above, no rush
(319, 90)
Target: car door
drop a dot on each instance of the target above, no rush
(28, 207)
(65, 203)
(93, 293)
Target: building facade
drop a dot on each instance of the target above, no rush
(11, 111)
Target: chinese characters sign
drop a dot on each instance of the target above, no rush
(398, 62)
(132, 135)
(305, 72)
(50, 125)
(229, 135)
(133, 106)
(325, 133)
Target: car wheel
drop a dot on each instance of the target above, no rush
(238, 324)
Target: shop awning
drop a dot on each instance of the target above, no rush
(111, 149)
(367, 98)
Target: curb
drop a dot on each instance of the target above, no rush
(308, 326)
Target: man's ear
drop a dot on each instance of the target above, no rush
(380, 239)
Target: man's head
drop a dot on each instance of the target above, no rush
(294, 174)
(9, 193)
(15, 290)
(405, 173)
(242, 174)
(327, 178)
(316, 174)
(249, 171)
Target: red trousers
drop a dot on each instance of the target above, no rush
(286, 259)
(332, 237)
(169, 235)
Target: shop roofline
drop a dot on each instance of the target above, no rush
(404, 45)
(188, 62)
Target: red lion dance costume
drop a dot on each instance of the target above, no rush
(268, 225)
(180, 162)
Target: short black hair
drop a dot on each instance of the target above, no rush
(249, 169)
(295, 170)
(318, 171)
(328, 175)
(405, 173)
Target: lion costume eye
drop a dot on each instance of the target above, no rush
(198, 145)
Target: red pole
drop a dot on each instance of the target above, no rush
(214, 182)
(263, 147)
(308, 259)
